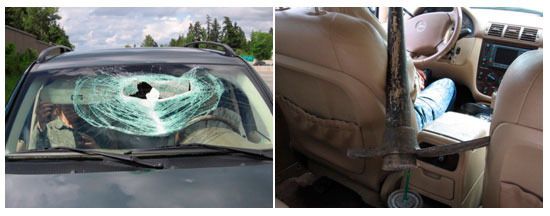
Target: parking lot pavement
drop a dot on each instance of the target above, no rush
(266, 72)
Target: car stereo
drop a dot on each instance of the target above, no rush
(500, 56)
(494, 59)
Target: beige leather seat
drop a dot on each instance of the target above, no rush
(514, 159)
(280, 204)
(331, 71)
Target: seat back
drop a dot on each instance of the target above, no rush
(514, 159)
(331, 73)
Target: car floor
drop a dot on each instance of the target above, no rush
(309, 191)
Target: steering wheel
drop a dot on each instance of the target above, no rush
(429, 36)
(227, 122)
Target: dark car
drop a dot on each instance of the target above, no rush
(259, 63)
(140, 127)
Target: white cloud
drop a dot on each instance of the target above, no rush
(166, 28)
(112, 39)
(95, 28)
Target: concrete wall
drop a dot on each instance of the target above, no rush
(24, 40)
(266, 72)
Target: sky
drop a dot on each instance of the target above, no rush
(97, 28)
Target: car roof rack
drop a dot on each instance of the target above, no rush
(227, 50)
(43, 57)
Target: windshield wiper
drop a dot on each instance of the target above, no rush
(253, 152)
(127, 159)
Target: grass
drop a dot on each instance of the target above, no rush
(16, 63)
(11, 82)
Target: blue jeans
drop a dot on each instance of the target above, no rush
(433, 101)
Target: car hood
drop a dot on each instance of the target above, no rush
(243, 186)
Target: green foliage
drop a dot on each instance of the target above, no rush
(12, 59)
(215, 31)
(190, 34)
(40, 21)
(181, 40)
(198, 32)
(208, 26)
(177, 42)
(173, 42)
(243, 52)
(11, 82)
(241, 37)
(261, 45)
(233, 35)
(16, 64)
(229, 33)
(149, 42)
(194, 33)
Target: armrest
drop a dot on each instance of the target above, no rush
(458, 126)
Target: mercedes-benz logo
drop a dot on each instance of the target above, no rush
(420, 26)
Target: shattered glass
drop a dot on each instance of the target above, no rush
(124, 107)
(174, 100)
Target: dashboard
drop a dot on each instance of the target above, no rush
(498, 36)
(504, 39)
(494, 60)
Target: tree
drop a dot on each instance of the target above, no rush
(173, 42)
(241, 37)
(58, 36)
(127, 46)
(228, 32)
(208, 24)
(39, 21)
(190, 34)
(149, 42)
(198, 32)
(14, 15)
(181, 40)
(261, 45)
(16, 63)
(214, 34)
(233, 35)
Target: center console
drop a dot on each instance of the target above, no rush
(453, 180)
(494, 59)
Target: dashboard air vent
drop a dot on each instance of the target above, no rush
(512, 32)
(495, 30)
(529, 34)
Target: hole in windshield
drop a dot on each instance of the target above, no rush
(158, 105)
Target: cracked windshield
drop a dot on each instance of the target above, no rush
(145, 103)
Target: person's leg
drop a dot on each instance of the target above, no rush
(433, 101)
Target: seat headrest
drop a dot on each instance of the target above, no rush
(362, 13)
(335, 41)
(519, 98)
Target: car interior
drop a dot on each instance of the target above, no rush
(234, 122)
(330, 98)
